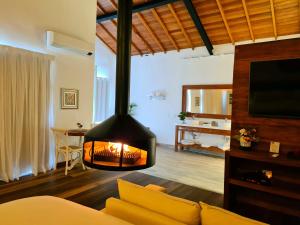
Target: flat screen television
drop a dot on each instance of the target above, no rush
(275, 88)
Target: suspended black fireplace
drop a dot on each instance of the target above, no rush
(120, 142)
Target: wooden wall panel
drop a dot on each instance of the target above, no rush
(286, 131)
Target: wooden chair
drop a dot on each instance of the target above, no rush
(64, 146)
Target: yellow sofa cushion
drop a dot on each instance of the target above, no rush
(135, 214)
(181, 210)
(211, 215)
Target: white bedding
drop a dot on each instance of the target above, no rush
(48, 210)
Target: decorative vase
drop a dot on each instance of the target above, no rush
(183, 121)
(245, 145)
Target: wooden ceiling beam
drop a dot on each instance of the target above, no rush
(225, 20)
(108, 32)
(136, 9)
(273, 18)
(115, 6)
(187, 38)
(138, 34)
(99, 7)
(132, 43)
(106, 43)
(201, 30)
(164, 28)
(115, 24)
(155, 38)
(134, 29)
(248, 20)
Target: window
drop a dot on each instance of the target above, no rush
(101, 99)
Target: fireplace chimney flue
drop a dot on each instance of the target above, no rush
(123, 57)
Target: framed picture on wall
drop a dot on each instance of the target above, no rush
(69, 98)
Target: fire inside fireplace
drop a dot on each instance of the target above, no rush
(113, 154)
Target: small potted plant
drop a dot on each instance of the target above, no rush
(182, 116)
(246, 137)
(131, 110)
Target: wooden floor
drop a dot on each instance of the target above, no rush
(92, 187)
(199, 170)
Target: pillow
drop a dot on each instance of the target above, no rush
(211, 215)
(135, 214)
(182, 210)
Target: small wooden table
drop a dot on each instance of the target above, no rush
(76, 133)
(181, 129)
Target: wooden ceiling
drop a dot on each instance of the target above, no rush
(170, 27)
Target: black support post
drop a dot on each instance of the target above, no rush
(193, 13)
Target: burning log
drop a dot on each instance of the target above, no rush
(113, 154)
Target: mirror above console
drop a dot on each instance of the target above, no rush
(207, 101)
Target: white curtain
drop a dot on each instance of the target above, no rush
(24, 112)
(101, 99)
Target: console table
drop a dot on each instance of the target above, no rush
(181, 129)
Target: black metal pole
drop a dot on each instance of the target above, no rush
(123, 56)
(194, 15)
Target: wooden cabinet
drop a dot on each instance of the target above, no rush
(180, 132)
(278, 203)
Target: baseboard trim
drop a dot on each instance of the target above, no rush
(165, 145)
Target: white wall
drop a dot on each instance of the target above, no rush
(105, 61)
(168, 72)
(23, 24)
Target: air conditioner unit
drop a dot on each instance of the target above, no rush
(63, 41)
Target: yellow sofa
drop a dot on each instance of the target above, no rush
(148, 206)
(137, 206)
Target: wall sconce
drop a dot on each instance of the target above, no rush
(158, 95)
